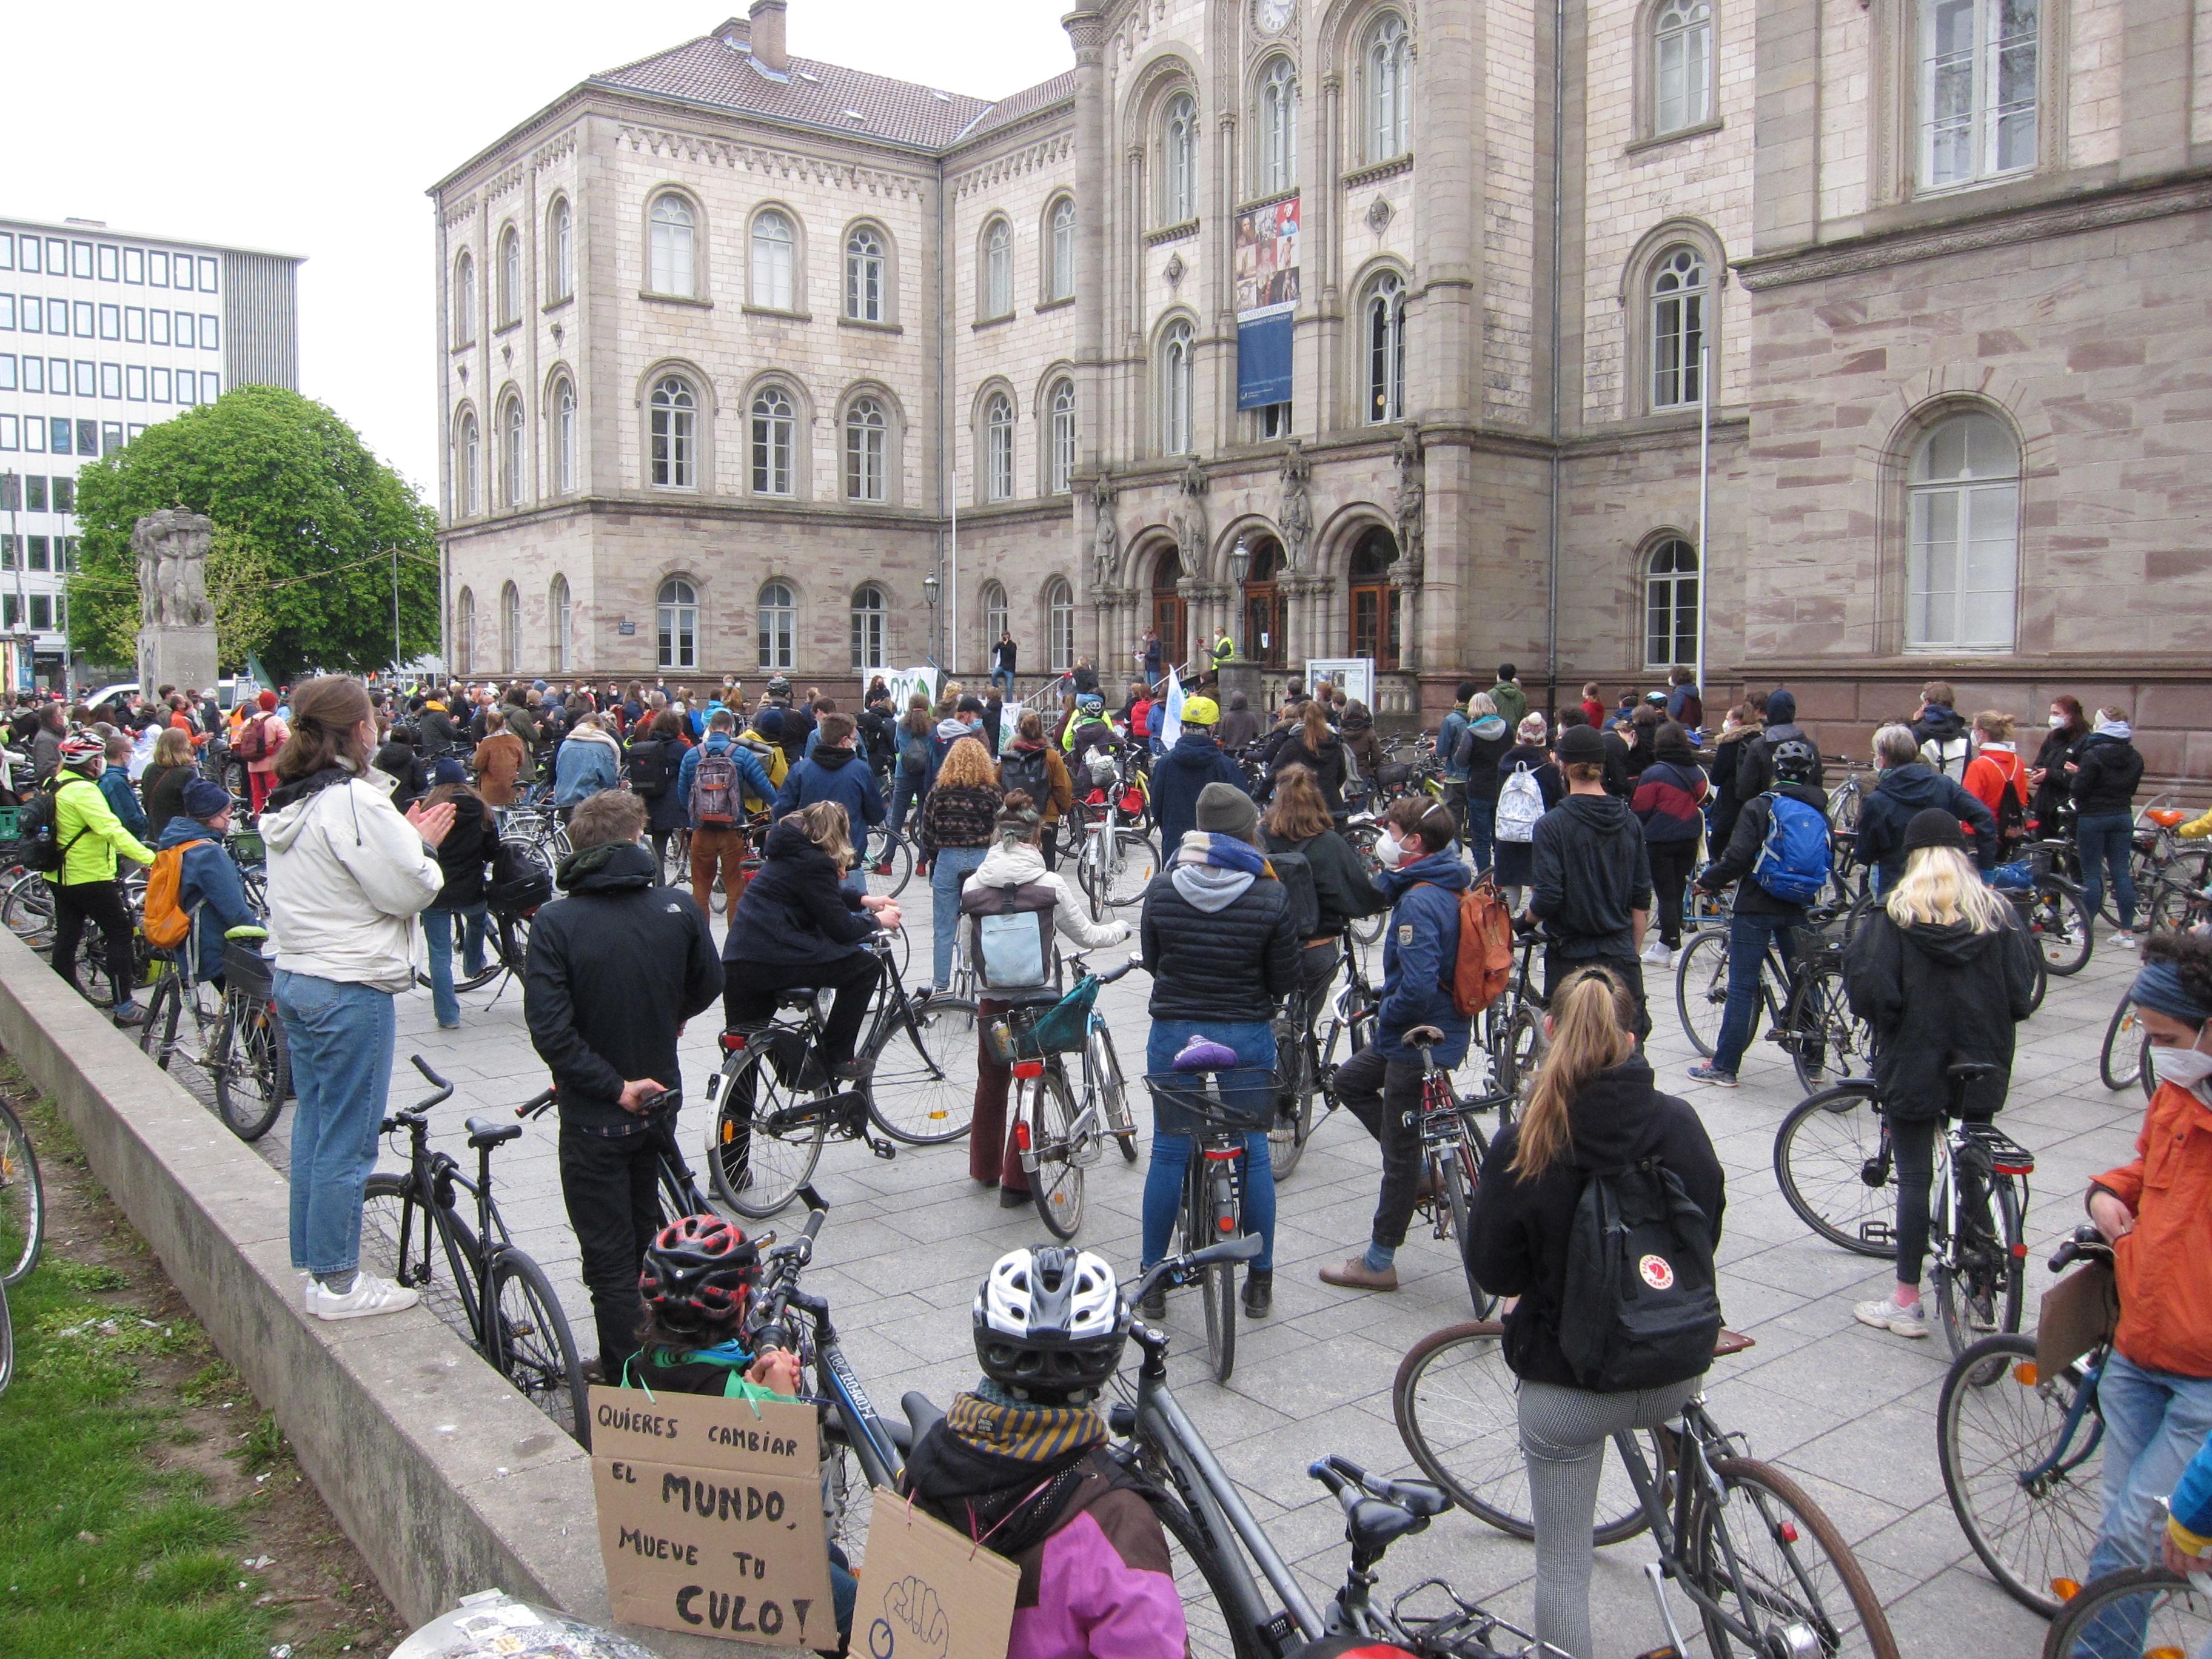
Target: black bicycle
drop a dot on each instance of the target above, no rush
(237, 1040)
(1212, 1205)
(1803, 999)
(22, 1223)
(1308, 1053)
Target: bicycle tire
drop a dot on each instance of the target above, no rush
(1056, 1183)
(1455, 1401)
(1113, 1088)
(1136, 861)
(527, 1340)
(22, 1200)
(1834, 1170)
(1526, 1045)
(1215, 1632)
(1996, 1418)
(2042, 986)
(888, 861)
(252, 1064)
(1997, 1275)
(756, 1185)
(27, 911)
(157, 1037)
(923, 1092)
(441, 1278)
(1217, 1288)
(7, 1342)
(2123, 1036)
(1828, 1043)
(2176, 1612)
(2064, 931)
(1286, 1136)
(1459, 1192)
(1781, 1586)
(1701, 991)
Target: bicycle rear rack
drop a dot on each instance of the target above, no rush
(2007, 1157)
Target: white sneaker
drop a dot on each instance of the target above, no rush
(369, 1297)
(2126, 941)
(1886, 1316)
(1654, 952)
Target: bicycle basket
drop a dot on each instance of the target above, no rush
(1815, 943)
(246, 846)
(1023, 1034)
(1184, 1105)
(245, 968)
(1392, 774)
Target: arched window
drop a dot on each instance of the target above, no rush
(466, 464)
(1058, 626)
(560, 251)
(1670, 605)
(1385, 314)
(677, 624)
(1170, 614)
(675, 434)
(1060, 265)
(1678, 329)
(999, 447)
(1176, 385)
(1267, 609)
(778, 625)
(872, 623)
(1279, 127)
(672, 270)
(775, 256)
(510, 453)
(510, 627)
(465, 301)
(1963, 510)
(864, 275)
(1374, 601)
(1389, 90)
(865, 432)
(1681, 65)
(557, 623)
(1977, 89)
(510, 276)
(1179, 176)
(564, 435)
(1061, 402)
(994, 616)
(775, 419)
(998, 294)
(465, 630)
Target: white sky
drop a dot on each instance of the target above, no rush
(314, 128)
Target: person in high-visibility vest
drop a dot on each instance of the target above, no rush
(1225, 649)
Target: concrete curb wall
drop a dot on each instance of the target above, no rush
(446, 1478)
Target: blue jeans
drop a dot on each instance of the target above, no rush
(1481, 832)
(1748, 940)
(2107, 840)
(1171, 1153)
(438, 934)
(340, 1037)
(1004, 679)
(907, 790)
(2154, 1421)
(947, 871)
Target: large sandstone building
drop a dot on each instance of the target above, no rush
(1848, 342)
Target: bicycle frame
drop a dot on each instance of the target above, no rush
(431, 1179)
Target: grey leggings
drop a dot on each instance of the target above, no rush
(1564, 1433)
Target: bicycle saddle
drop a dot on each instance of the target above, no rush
(1970, 1071)
(1373, 1524)
(921, 1411)
(483, 1133)
(1201, 1054)
(1424, 1036)
(798, 1000)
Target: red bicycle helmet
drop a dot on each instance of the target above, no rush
(699, 1272)
(83, 752)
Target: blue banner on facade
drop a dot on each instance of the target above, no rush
(1263, 359)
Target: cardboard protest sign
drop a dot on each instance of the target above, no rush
(710, 1516)
(927, 1593)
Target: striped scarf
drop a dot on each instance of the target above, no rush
(1029, 1434)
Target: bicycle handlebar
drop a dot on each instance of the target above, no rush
(445, 1088)
(1179, 1270)
(535, 1105)
(2087, 1244)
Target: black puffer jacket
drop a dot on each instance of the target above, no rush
(794, 914)
(1518, 1234)
(1937, 996)
(1233, 964)
(466, 849)
(2111, 768)
(2052, 794)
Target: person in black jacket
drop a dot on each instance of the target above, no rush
(1594, 1107)
(1910, 786)
(1221, 945)
(1320, 751)
(2101, 776)
(1298, 822)
(1755, 764)
(466, 849)
(1944, 971)
(616, 969)
(399, 757)
(2048, 778)
(1591, 885)
(654, 762)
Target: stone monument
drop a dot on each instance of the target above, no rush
(176, 622)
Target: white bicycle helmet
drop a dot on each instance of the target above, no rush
(1050, 1323)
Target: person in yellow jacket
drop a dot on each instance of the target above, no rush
(2198, 828)
(85, 888)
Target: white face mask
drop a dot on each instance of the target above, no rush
(2184, 1067)
(1390, 849)
(2057, 720)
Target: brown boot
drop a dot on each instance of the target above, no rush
(1357, 1275)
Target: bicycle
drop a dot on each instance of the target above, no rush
(2173, 1613)
(508, 1312)
(1453, 1148)
(1058, 1143)
(887, 860)
(1307, 1059)
(1213, 1203)
(677, 1188)
(774, 1108)
(1766, 1570)
(1116, 861)
(1833, 1161)
(22, 1200)
(506, 935)
(2124, 1061)
(1808, 1011)
(239, 1043)
(1510, 1030)
(2052, 908)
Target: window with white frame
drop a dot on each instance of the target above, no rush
(775, 419)
(775, 258)
(564, 435)
(1670, 605)
(510, 276)
(511, 452)
(1179, 174)
(1279, 127)
(1963, 514)
(677, 623)
(465, 301)
(558, 618)
(1176, 383)
(1678, 329)
(994, 616)
(673, 245)
(560, 251)
(866, 432)
(871, 624)
(510, 627)
(1385, 322)
(466, 464)
(1058, 626)
(1681, 65)
(1389, 63)
(864, 275)
(675, 434)
(778, 625)
(1977, 89)
(1060, 263)
(999, 447)
(465, 630)
(998, 296)
(1062, 404)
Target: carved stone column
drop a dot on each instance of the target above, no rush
(1086, 32)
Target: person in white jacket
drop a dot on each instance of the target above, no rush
(347, 876)
(1015, 860)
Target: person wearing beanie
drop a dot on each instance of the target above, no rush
(1942, 972)
(1591, 880)
(1221, 944)
(1755, 760)
(1908, 786)
(1181, 775)
(208, 885)
(258, 740)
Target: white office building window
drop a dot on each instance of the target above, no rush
(1386, 349)
(564, 435)
(1063, 437)
(1977, 89)
(1062, 263)
(998, 268)
(1678, 329)
(1179, 177)
(1389, 90)
(1058, 626)
(775, 252)
(464, 303)
(1279, 127)
(778, 626)
(675, 434)
(510, 627)
(677, 624)
(511, 452)
(510, 276)
(467, 459)
(672, 228)
(867, 430)
(1963, 507)
(864, 275)
(775, 418)
(1670, 605)
(557, 609)
(872, 619)
(1681, 65)
(999, 447)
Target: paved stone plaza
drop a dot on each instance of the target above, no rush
(1850, 1412)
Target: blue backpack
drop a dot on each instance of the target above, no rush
(1793, 860)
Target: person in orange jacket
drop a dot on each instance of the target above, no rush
(1995, 770)
(2155, 1394)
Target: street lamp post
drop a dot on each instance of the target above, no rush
(930, 585)
(1240, 566)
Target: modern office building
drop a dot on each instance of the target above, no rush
(101, 335)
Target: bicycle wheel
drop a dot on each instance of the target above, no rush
(1832, 1162)
(251, 1063)
(2061, 927)
(1130, 870)
(1981, 1295)
(924, 1090)
(424, 1249)
(1456, 1404)
(1056, 1183)
(28, 910)
(1701, 990)
(527, 1341)
(1199, 1227)
(887, 863)
(22, 1202)
(1999, 1418)
(1828, 1043)
(7, 1343)
(2146, 1610)
(1105, 1070)
(1458, 1195)
(755, 1172)
(1211, 1627)
(157, 1037)
(1286, 1137)
(1801, 1588)
(2119, 1064)
(1525, 1045)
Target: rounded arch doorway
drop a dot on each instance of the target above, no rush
(1267, 608)
(1170, 614)
(1375, 620)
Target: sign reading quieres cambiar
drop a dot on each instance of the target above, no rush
(710, 1517)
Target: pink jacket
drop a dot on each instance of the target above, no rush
(1103, 1588)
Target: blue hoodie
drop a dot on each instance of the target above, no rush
(752, 777)
(209, 885)
(1419, 950)
(115, 784)
(1195, 761)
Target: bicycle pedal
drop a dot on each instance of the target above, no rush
(883, 1149)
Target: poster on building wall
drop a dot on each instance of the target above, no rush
(1355, 674)
(1265, 267)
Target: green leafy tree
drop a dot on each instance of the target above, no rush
(307, 525)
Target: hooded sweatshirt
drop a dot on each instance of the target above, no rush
(2109, 770)
(1904, 791)
(838, 775)
(1591, 872)
(1239, 725)
(347, 876)
(1937, 995)
(1755, 766)
(1195, 761)
(1486, 742)
(1420, 948)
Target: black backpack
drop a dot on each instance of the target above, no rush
(648, 769)
(1640, 1309)
(1027, 770)
(43, 849)
(519, 883)
(1301, 897)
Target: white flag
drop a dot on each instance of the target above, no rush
(1171, 722)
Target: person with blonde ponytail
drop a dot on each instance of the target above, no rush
(1593, 1107)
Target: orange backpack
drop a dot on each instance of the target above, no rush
(168, 924)
(1484, 961)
